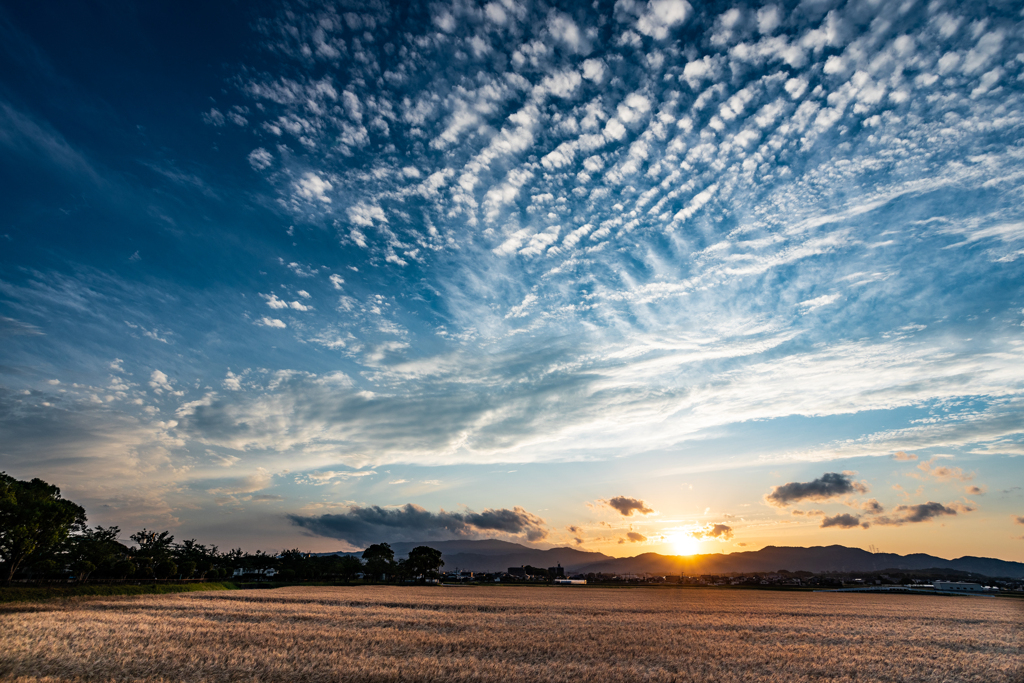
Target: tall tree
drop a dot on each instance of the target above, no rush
(380, 559)
(97, 547)
(153, 545)
(34, 519)
(348, 567)
(424, 561)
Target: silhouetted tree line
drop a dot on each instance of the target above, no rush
(44, 537)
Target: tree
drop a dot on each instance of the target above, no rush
(296, 563)
(152, 545)
(348, 567)
(123, 569)
(425, 561)
(165, 569)
(84, 568)
(194, 551)
(379, 560)
(98, 547)
(34, 519)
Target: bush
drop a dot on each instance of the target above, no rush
(32, 594)
(123, 569)
(165, 570)
(45, 569)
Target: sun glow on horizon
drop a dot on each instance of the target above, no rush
(684, 544)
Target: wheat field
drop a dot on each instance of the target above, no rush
(512, 634)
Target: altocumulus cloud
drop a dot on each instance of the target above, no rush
(649, 182)
(372, 524)
(829, 485)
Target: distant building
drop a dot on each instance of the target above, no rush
(557, 572)
(570, 582)
(518, 572)
(957, 586)
(261, 572)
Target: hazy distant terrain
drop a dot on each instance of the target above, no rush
(491, 555)
(513, 634)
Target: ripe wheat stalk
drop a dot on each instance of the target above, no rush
(513, 634)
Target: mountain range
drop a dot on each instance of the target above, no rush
(493, 555)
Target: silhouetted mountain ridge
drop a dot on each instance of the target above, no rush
(492, 555)
(834, 558)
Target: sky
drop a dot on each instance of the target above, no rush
(624, 276)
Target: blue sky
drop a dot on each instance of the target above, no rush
(273, 273)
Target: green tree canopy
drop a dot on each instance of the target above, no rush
(153, 546)
(34, 519)
(425, 561)
(98, 547)
(380, 559)
(348, 567)
(194, 551)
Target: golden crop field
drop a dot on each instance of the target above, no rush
(512, 634)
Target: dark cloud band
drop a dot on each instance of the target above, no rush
(829, 485)
(371, 524)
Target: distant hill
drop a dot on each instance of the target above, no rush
(493, 555)
(833, 558)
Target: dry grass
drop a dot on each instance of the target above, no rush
(514, 634)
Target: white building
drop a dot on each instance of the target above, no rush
(262, 572)
(957, 586)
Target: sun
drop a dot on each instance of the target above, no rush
(685, 544)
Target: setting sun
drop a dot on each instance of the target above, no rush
(685, 544)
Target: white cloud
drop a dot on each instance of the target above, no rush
(594, 70)
(271, 322)
(560, 84)
(818, 302)
(232, 382)
(495, 13)
(697, 71)
(989, 45)
(260, 159)
(565, 30)
(696, 204)
(662, 15)
(521, 310)
(768, 19)
(274, 302)
(987, 82)
(540, 241)
(364, 214)
(311, 186)
(159, 382)
(321, 477)
(796, 87)
(214, 117)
